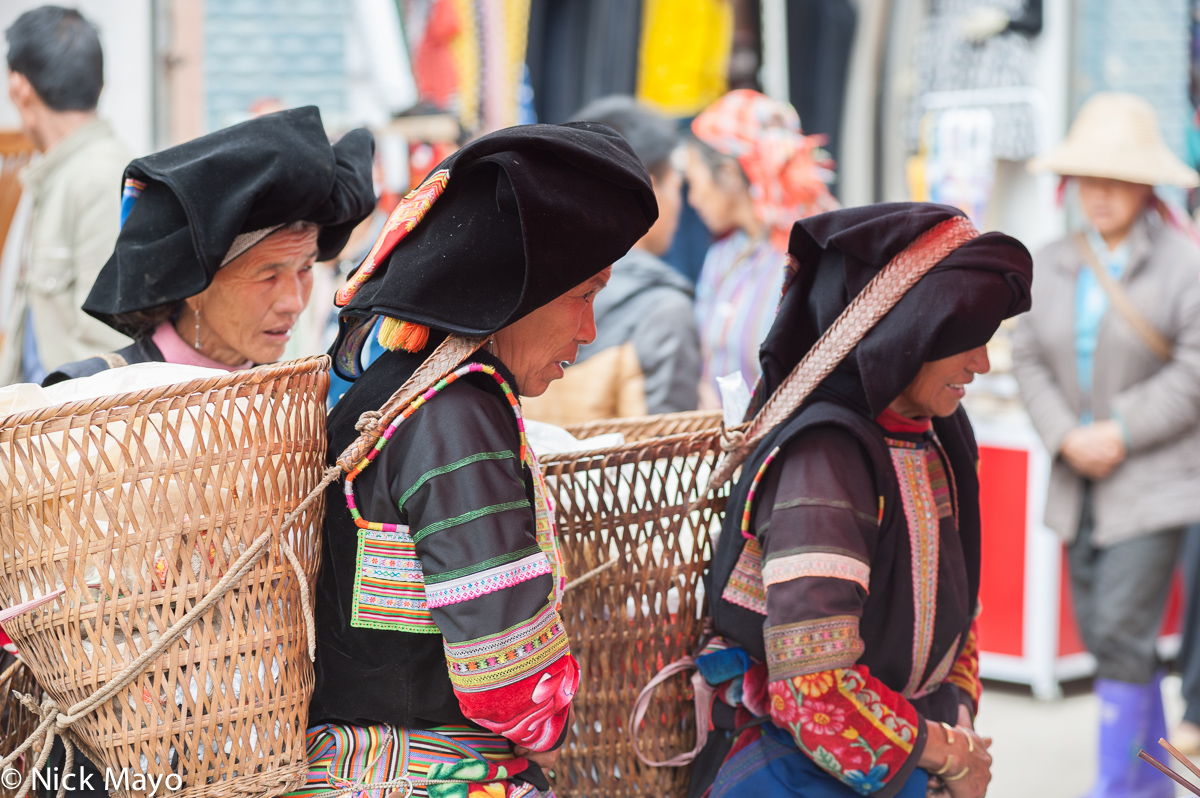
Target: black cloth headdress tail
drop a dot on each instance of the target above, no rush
(192, 208)
(956, 307)
(508, 223)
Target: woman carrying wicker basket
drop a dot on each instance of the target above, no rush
(213, 265)
(442, 666)
(846, 576)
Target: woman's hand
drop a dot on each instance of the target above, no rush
(963, 755)
(544, 759)
(1095, 450)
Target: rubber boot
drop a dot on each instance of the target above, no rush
(1131, 718)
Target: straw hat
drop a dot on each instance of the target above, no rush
(1116, 135)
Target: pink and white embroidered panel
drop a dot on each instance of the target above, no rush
(472, 586)
(817, 563)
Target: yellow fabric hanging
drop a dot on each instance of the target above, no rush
(685, 48)
(517, 13)
(466, 59)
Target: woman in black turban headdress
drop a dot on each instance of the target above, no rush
(440, 650)
(213, 264)
(844, 588)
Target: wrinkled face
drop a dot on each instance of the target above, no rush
(940, 384)
(668, 191)
(535, 346)
(713, 195)
(249, 310)
(1112, 206)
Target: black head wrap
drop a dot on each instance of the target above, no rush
(191, 202)
(956, 307)
(508, 223)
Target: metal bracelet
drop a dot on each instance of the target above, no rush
(958, 776)
(945, 767)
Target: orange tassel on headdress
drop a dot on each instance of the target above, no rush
(396, 334)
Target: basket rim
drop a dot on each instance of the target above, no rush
(628, 447)
(256, 375)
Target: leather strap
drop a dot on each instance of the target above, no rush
(1146, 332)
(115, 360)
(704, 698)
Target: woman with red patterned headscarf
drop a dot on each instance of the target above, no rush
(751, 173)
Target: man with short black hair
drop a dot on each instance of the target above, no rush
(55, 74)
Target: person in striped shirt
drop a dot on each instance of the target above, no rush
(751, 173)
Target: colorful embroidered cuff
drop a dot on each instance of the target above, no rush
(533, 712)
(798, 649)
(508, 657)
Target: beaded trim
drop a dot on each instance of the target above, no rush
(434, 390)
(762, 469)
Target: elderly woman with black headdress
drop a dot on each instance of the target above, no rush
(845, 583)
(441, 654)
(213, 264)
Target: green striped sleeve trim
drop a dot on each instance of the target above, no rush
(468, 517)
(446, 469)
(483, 566)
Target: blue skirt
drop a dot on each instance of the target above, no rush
(768, 768)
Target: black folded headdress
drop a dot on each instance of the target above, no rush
(508, 223)
(190, 209)
(956, 307)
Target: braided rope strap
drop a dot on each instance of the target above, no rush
(53, 722)
(864, 312)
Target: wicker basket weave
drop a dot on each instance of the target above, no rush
(137, 505)
(627, 621)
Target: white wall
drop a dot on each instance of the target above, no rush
(126, 35)
(1025, 204)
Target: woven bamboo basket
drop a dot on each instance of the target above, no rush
(628, 620)
(17, 721)
(136, 506)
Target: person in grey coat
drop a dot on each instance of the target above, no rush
(1114, 393)
(646, 356)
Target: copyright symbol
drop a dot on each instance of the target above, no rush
(10, 778)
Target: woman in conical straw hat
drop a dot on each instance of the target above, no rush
(441, 653)
(1108, 364)
(844, 586)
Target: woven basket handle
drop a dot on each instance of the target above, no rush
(864, 312)
(444, 359)
(703, 693)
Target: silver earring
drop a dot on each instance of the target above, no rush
(197, 342)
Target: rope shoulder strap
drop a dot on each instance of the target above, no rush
(873, 303)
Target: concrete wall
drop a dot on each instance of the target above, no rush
(125, 33)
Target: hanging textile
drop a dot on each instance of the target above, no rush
(466, 51)
(579, 51)
(684, 54)
(820, 36)
(435, 69)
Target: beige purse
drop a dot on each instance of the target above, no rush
(1146, 332)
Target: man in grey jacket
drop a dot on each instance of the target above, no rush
(646, 356)
(55, 74)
